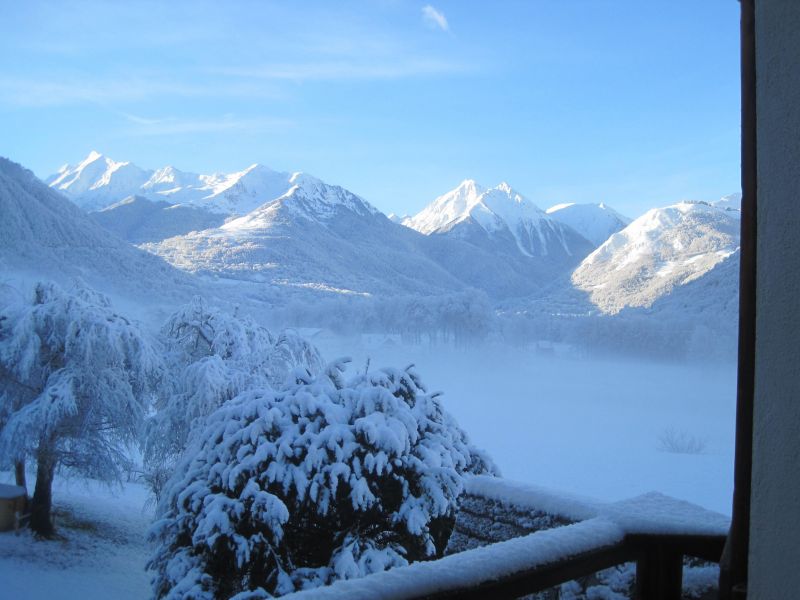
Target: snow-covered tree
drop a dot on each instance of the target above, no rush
(76, 383)
(327, 479)
(13, 395)
(215, 356)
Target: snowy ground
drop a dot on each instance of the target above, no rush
(590, 427)
(101, 555)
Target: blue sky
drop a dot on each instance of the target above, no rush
(627, 102)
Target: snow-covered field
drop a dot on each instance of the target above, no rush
(590, 427)
(101, 553)
(599, 428)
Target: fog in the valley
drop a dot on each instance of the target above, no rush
(608, 428)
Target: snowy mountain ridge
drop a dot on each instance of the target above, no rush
(731, 202)
(295, 230)
(595, 222)
(315, 237)
(663, 248)
(98, 182)
(471, 211)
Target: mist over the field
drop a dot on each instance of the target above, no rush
(609, 428)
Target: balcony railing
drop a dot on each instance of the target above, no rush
(580, 538)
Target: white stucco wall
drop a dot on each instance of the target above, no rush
(775, 512)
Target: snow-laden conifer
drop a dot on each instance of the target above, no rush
(77, 379)
(327, 479)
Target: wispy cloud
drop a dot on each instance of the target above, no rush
(434, 18)
(44, 92)
(143, 126)
(346, 70)
(259, 81)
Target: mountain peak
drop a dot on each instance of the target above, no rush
(505, 187)
(256, 168)
(93, 156)
(91, 182)
(469, 184)
(448, 208)
(469, 189)
(503, 197)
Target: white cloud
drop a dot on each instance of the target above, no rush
(345, 70)
(434, 18)
(46, 91)
(227, 123)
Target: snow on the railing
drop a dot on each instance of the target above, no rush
(527, 496)
(655, 513)
(599, 525)
(650, 513)
(8, 492)
(473, 567)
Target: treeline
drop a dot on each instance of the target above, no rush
(459, 318)
(467, 318)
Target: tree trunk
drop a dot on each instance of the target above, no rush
(19, 474)
(41, 504)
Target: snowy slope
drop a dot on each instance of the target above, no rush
(314, 237)
(711, 300)
(139, 220)
(501, 219)
(231, 194)
(44, 235)
(732, 202)
(664, 248)
(98, 182)
(595, 222)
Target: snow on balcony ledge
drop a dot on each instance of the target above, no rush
(599, 525)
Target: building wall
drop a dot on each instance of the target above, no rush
(775, 512)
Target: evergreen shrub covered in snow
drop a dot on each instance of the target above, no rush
(326, 479)
(215, 356)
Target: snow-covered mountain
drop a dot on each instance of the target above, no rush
(323, 237)
(732, 202)
(44, 235)
(662, 249)
(138, 220)
(98, 182)
(595, 222)
(502, 220)
(315, 237)
(296, 232)
(399, 219)
(711, 299)
(231, 194)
